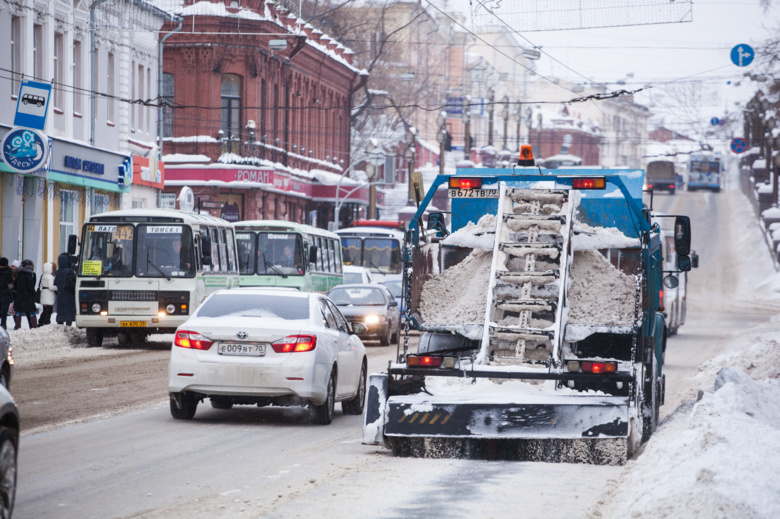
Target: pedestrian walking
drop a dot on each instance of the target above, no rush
(65, 281)
(48, 293)
(6, 290)
(24, 295)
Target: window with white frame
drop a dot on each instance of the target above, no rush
(16, 54)
(59, 60)
(134, 95)
(38, 52)
(141, 120)
(68, 215)
(148, 109)
(77, 94)
(110, 87)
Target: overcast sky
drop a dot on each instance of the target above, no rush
(660, 53)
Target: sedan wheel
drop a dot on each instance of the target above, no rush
(355, 406)
(387, 338)
(323, 414)
(183, 405)
(7, 472)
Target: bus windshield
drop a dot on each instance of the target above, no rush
(164, 251)
(107, 250)
(382, 255)
(279, 254)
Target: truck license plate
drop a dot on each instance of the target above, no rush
(247, 349)
(473, 193)
(132, 324)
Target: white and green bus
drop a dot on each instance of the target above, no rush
(277, 253)
(143, 271)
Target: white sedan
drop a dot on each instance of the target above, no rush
(268, 346)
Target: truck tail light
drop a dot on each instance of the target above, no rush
(193, 340)
(465, 183)
(599, 367)
(589, 183)
(649, 186)
(295, 343)
(423, 361)
(661, 299)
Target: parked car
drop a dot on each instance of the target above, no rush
(354, 274)
(7, 360)
(9, 450)
(372, 305)
(264, 346)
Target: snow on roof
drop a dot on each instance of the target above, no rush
(183, 158)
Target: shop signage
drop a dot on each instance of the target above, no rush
(84, 165)
(25, 150)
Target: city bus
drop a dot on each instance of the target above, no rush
(143, 271)
(376, 248)
(705, 171)
(286, 254)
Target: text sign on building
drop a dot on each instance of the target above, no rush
(25, 150)
(32, 105)
(84, 165)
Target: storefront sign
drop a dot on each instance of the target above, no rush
(148, 171)
(25, 150)
(84, 165)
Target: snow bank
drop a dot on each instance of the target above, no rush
(599, 294)
(459, 294)
(586, 237)
(476, 236)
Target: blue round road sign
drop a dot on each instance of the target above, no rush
(714, 121)
(742, 55)
(25, 150)
(738, 145)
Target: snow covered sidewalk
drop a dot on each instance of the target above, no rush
(716, 457)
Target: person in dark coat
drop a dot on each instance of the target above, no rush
(24, 295)
(65, 281)
(6, 290)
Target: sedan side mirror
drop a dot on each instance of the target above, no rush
(359, 328)
(392, 303)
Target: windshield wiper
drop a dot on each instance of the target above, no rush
(270, 265)
(158, 269)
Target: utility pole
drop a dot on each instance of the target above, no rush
(442, 138)
(467, 121)
(505, 114)
(411, 150)
(491, 111)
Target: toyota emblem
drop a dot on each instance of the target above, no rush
(242, 335)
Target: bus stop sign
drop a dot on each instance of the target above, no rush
(32, 105)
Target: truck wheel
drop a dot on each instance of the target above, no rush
(183, 405)
(94, 337)
(651, 405)
(123, 338)
(355, 406)
(323, 414)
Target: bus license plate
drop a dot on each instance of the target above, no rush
(473, 193)
(247, 350)
(132, 324)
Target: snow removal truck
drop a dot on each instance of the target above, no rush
(541, 336)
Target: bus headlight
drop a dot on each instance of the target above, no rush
(96, 308)
(170, 308)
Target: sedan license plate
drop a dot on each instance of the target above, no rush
(473, 193)
(132, 324)
(244, 349)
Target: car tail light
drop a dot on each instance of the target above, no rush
(599, 367)
(465, 183)
(649, 186)
(671, 186)
(193, 340)
(294, 343)
(423, 361)
(589, 183)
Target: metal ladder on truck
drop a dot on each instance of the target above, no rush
(524, 314)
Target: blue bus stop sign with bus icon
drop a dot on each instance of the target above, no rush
(738, 145)
(32, 105)
(25, 150)
(742, 55)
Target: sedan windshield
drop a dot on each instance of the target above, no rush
(357, 296)
(255, 305)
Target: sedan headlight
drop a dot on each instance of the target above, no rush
(372, 319)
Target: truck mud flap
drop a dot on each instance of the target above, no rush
(374, 417)
(491, 420)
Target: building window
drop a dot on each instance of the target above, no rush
(133, 95)
(141, 123)
(167, 109)
(100, 204)
(231, 105)
(38, 52)
(148, 94)
(58, 64)
(77, 94)
(16, 54)
(68, 215)
(110, 87)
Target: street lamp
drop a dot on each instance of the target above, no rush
(505, 114)
(467, 128)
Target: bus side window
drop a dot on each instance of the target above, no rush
(337, 253)
(311, 254)
(215, 252)
(197, 248)
(332, 254)
(320, 253)
(326, 266)
(223, 256)
(231, 251)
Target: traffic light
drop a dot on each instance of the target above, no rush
(448, 142)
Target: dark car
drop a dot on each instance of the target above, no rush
(9, 449)
(373, 306)
(6, 361)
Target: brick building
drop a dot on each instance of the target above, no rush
(259, 116)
